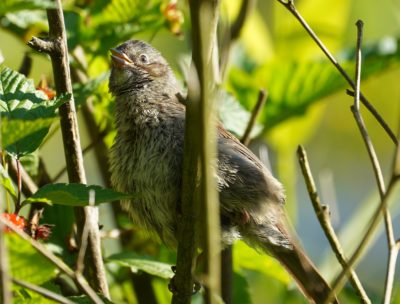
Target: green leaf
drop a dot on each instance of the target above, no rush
(6, 182)
(247, 258)
(21, 137)
(26, 263)
(26, 113)
(8, 6)
(241, 289)
(74, 195)
(293, 86)
(86, 300)
(234, 116)
(136, 263)
(83, 91)
(121, 20)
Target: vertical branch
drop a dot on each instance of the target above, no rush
(200, 154)
(204, 16)
(262, 96)
(56, 47)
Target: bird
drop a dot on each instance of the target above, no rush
(147, 157)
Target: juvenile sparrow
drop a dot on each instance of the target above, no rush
(147, 156)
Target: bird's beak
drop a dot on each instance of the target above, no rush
(120, 59)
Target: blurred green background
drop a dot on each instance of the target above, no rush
(307, 105)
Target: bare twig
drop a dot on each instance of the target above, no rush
(80, 280)
(292, 9)
(262, 96)
(26, 64)
(56, 47)
(19, 187)
(28, 186)
(322, 212)
(233, 33)
(245, 10)
(43, 291)
(381, 187)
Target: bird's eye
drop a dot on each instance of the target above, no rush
(143, 58)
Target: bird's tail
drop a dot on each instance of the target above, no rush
(312, 284)
(292, 257)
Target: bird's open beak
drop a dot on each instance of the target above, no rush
(120, 59)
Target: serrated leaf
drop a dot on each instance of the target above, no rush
(26, 113)
(21, 137)
(26, 263)
(136, 263)
(123, 19)
(294, 86)
(234, 116)
(7, 183)
(75, 195)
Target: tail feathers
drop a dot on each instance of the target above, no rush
(312, 284)
(276, 241)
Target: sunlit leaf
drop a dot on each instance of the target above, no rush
(26, 263)
(136, 263)
(26, 113)
(234, 116)
(8, 6)
(7, 183)
(294, 86)
(247, 258)
(75, 195)
(122, 19)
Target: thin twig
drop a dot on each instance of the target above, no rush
(19, 187)
(43, 292)
(323, 215)
(376, 167)
(262, 97)
(233, 33)
(81, 282)
(374, 222)
(292, 9)
(245, 9)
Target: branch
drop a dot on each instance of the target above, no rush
(43, 291)
(200, 208)
(81, 282)
(262, 97)
(375, 165)
(384, 194)
(289, 5)
(234, 32)
(323, 215)
(245, 10)
(56, 46)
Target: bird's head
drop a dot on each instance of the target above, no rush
(135, 66)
